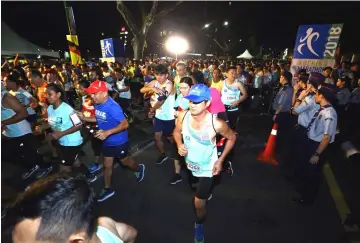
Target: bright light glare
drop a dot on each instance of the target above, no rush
(207, 25)
(176, 45)
(226, 23)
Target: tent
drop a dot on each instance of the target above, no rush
(245, 55)
(12, 43)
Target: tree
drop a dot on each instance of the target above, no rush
(140, 31)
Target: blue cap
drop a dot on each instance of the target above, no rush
(198, 93)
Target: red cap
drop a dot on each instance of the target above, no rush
(97, 86)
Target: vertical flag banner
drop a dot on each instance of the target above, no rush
(315, 47)
(111, 49)
(74, 49)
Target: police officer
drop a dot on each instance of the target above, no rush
(321, 132)
(305, 107)
(282, 105)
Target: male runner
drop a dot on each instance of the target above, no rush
(162, 102)
(113, 131)
(195, 136)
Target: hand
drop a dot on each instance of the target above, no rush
(182, 149)
(296, 87)
(56, 135)
(218, 166)
(274, 117)
(80, 115)
(234, 104)
(314, 159)
(102, 135)
(303, 94)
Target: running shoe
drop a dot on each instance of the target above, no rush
(105, 194)
(43, 172)
(141, 173)
(161, 159)
(30, 172)
(94, 167)
(175, 179)
(91, 178)
(230, 170)
(199, 233)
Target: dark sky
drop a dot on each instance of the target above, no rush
(273, 24)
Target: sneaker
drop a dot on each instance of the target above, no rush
(230, 170)
(30, 172)
(94, 167)
(91, 178)
(161, 159)
(175, 179)
(210, 196)
(105, 194)
(199, 233)
(141, 173)
(43, 172)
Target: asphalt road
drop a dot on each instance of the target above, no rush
(253, 206)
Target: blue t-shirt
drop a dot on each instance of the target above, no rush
(108, 116)
(59, 120)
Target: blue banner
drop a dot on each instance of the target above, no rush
(112, 48)
(315, 47)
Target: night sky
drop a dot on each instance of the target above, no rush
(272, 24)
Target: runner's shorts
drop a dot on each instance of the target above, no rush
(204, 187)
(166, 127)
(68, 154)
(119, 151)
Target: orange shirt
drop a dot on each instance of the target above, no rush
(41, 94)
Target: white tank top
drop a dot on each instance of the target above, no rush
(166, 112)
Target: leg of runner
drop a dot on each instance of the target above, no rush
(160, 127)
(139, 169)
(107, 192)
(96, 145)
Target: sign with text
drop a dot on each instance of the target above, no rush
(315, 47)
(111, 48)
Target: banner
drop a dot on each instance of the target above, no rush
(74, 49)
(315, 47)
(112, 48)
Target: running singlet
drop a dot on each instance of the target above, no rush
(88, 108)
(181, 103)
(59, 120)
(121, 84)
(217, 85)
(109, 115)
(229, 94)
(17, 129)
(106, 236)
(24, 97)
(166, 112)
(201, 163)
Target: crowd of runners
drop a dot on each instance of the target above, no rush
(194, 106)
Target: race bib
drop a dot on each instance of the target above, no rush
(193, 167)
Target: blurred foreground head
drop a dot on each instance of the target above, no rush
(56, 209)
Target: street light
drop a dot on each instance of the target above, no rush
(206, 25)
(226, 23)
(176, 45)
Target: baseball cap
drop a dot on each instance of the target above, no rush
(199, 93)
(97, 86)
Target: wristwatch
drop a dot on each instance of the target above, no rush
(316, 154)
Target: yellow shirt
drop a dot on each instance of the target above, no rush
(217, 85)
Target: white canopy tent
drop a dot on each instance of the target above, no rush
(12, 43)
(245, 55)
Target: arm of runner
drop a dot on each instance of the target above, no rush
(148, 88)
(182, 150)
(118, 115)
(223, 129)
(83, 118)
(20, 111)
(243, 91)
(169, 88)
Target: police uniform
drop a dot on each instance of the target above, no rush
(323, 122)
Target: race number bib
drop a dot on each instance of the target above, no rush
(193, 167)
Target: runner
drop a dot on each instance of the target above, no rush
(62, 209)
(122, 87)
(65, 126)
(180, 73)
(216, 81)
(162, 102)
(18, 141)
(196, 131)
(233, 93)
(181, 104)
(113, 132)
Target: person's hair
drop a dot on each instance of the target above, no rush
(36, 73)
(187, 80)
(84, 83)
(161, 69)
(328, 68)
(98, 72)
(230, 67)
(65, 205)
(57, 89)
(180, 64)
(12, 78)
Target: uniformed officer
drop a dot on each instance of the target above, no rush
(282, 105)
(343, 97)
(321, 132)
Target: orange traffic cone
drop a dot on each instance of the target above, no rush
(268, 155)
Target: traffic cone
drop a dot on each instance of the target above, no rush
(268, 155)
